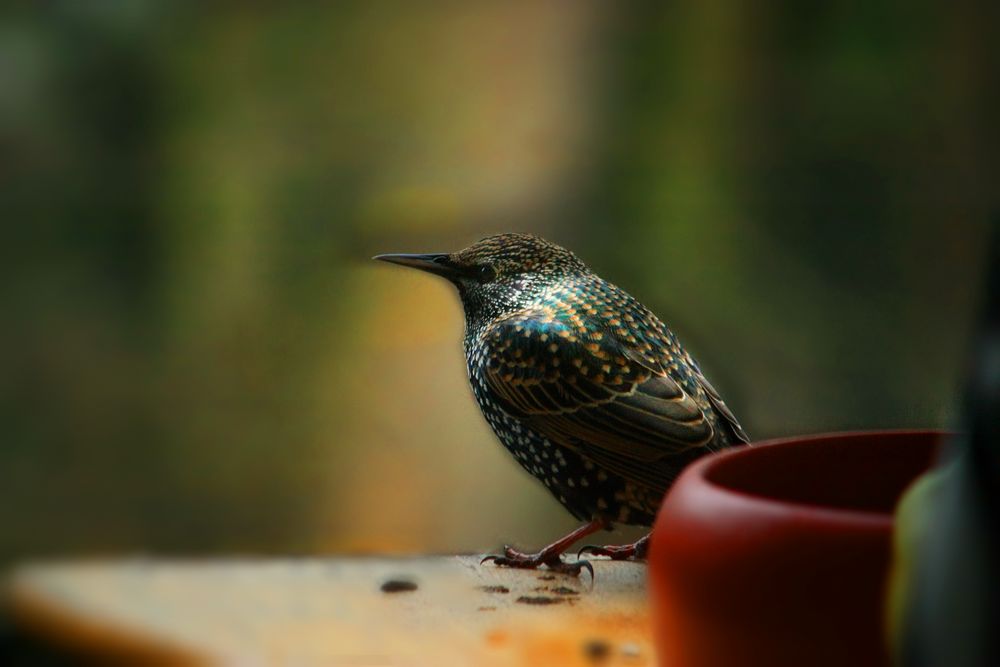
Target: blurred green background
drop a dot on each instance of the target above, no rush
(198, 356)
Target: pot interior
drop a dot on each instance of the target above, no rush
(856, 471)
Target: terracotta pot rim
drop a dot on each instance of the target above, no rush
(829, 514)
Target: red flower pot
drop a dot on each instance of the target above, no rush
(778, 554)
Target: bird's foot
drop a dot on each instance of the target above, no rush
(636, 551)
(551, 556)
(553, 561)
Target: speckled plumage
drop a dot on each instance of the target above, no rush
(588, 389)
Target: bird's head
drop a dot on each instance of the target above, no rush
(498, 274)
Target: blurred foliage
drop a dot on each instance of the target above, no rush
(197, 355)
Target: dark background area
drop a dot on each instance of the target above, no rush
(198, 356)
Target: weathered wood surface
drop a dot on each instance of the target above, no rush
(334, 612)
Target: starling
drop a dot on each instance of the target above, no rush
(584, 386)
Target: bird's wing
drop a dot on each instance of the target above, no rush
(591, 391)
(736, 431)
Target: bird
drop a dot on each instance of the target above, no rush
(589, 391)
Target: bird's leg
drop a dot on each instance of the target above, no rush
(634, 551)
(550, 556)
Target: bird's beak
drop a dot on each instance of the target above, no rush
(436, 263)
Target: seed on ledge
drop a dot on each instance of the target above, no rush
(494, 589)
(596, 649)
(398, 586)
(538, 599)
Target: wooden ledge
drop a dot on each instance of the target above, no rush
(432, 610)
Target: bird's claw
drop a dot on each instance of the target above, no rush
(581, 565)
(516, 559)
(513, 558)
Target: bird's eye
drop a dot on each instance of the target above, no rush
(485, 273)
